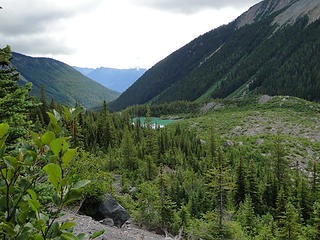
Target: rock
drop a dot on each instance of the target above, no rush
(315, 120)
(108, 222)
(237, 129)
(263, 99)
(260, 141)
(228, 143)
(218, 106)
(110, 208)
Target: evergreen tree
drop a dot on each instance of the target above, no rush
(253, 186)
(246, 217)
(219, 181)
(316, 220)
(14, 106)
(289, 227)
(129, 151)
(240, 183)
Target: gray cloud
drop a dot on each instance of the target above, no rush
(193, 6)
(28, 25)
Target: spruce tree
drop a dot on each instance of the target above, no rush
(240, 183)
(14, 105)
(289, 228)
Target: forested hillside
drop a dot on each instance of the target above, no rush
(60, 81)
(226, 169)
(270, 49)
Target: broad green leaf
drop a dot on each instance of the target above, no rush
(32, 194)
(68, 156)
(67, 225)
(11, 162)
(56, 146)
(35, 237)
(54, 174)
(8, 228)
(40, 223)
(68, 236)
(54, 230)
(97, 234)
(82, 236)
(36, 139)
(4, 127)
(71, 196)
(59, 145)
(48, 137)
(81, 184)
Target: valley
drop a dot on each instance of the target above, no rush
(219, 140)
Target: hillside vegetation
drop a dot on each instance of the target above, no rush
(60, 81)
(259, 52)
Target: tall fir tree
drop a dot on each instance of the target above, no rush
(14, 105)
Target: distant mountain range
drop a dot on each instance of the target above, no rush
(115, 79)
(273, 48)
(60, 81)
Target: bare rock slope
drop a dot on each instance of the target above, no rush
(292, 10)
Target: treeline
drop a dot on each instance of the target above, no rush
(171, 179)
(158, 110)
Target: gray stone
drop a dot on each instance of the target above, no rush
(108, 222)
(110, 208)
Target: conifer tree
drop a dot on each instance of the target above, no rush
(14, 106)
(316, 220)
(289, 227)
(220, 182)
(129, 151)
(240, 183)
(246, 217)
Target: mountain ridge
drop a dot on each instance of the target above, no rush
(115, 79)
(220, 62)
(60, 81)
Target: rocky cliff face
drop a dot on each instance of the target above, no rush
(292, 10)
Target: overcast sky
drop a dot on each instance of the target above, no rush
(110, 33)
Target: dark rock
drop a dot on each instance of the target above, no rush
(110, 208)
(108, 221)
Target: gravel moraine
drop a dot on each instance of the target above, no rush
(129, 231)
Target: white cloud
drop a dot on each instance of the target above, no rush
(111, 33)
(192, 6)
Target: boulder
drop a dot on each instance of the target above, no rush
(110, 208)
(108, 222)
(106, 210)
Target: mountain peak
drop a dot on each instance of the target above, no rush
(292, 10)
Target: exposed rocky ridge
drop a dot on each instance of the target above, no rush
(295, 9)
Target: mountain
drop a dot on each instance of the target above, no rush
(84, 71)
(60, 81)
(112, 78)
(270, 49)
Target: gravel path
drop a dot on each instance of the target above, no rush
(129, 231)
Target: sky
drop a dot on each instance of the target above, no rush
(110, 33)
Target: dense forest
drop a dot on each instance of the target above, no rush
(261, 57)
(172, 180)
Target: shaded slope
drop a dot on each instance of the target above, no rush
(174, 67)
(60, 81)
(271, 49)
